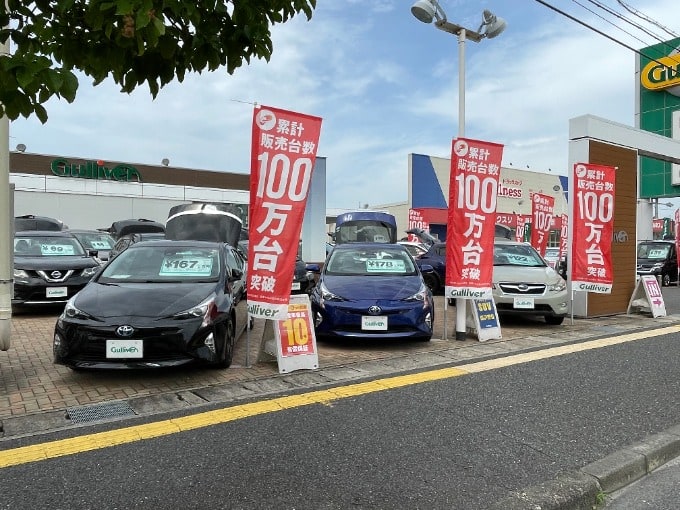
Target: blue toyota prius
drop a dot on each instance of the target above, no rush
(371, 291)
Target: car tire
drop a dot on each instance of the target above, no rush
(228, 344)
(554, 321)
(432, 282)
(666, 280)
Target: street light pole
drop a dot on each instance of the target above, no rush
(427, 11)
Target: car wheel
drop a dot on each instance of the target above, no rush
(554, 321)
(431, 281)
(228, 342)
(666, 280)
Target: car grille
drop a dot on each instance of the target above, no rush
(159, 344)
(523, 289)
(55, 275)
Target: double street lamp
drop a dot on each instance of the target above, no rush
(428, 11)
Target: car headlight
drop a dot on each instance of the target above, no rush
(89, 272)
(557, 287)
(327, 295)
(20, 275)
(73, 312)
(657, 265)
(207, 310)
(420, 295)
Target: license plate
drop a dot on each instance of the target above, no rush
(51, 292)
(524, 303)
(295, 286)
(374, 323)
(124, 348)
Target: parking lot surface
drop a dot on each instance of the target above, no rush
(36, 395)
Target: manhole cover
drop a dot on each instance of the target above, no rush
(97, 412)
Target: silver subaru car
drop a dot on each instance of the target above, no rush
(523, 284)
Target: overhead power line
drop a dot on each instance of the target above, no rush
(647, 18)
(583, 23)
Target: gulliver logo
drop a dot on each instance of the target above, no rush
(95, 170)
(265, 120)
(663, 74)
(580, 171)
(460, 148)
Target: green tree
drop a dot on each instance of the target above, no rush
(130, 41)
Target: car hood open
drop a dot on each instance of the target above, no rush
(140, 299)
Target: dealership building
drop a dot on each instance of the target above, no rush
(92, 194)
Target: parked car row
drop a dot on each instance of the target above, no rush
(53, 262)
(524, 283)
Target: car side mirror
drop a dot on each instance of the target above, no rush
(314, 268)
(92, 253)
(236, 274)
(426, 268)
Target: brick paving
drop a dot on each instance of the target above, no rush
(30, 383)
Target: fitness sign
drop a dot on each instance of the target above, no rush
(283, 155)
(593, 218)
(473, 191)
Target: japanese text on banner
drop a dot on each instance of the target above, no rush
(593, 217)
(283, 154)
(473, 189)
(541, 220)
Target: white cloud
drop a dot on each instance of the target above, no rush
(385, 86)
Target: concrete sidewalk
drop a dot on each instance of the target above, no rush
(32, 387)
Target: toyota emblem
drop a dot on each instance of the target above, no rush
(374, 310)
(125, 330)
(55, 275)
(523, 287)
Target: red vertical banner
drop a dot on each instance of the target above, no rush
(520, 230)
(282, 160)
(541, 220)
(564, 236)
(593, 217)
(473, 189)
(416, 220)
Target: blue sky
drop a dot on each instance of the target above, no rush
(385, 84)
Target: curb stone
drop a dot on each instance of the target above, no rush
(583, 489)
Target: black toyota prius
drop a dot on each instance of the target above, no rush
(162, 303)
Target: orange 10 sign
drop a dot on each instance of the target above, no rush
(296, 331)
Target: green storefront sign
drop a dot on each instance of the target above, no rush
(659, 98)
(95, 170)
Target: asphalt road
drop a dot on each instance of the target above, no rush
(462, 442)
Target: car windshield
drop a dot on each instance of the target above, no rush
(653, 251)
(381, 261)
(47, 247)
(163, 264)
(93, 241)
(516, 255)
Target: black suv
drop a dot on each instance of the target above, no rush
(49, 267)
(658, 258)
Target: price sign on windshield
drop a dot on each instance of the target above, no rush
(186, 265)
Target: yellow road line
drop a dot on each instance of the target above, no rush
(89, 442)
